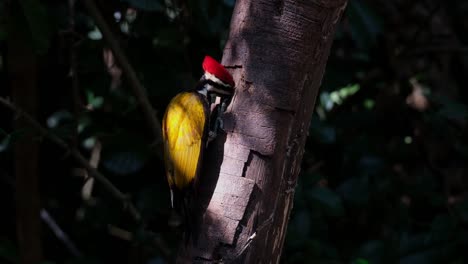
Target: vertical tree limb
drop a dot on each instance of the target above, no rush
(283, 47)
(21, 66)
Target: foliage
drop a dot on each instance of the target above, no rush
(389, 155)
(382, 178)
(165, 43)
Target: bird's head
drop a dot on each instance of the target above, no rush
(216, 79)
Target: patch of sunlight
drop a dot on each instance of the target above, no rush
(408, 140)
(329, 100)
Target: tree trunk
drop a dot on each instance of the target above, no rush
(278, 52)
(22, 76)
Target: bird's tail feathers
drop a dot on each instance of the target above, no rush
(181, 213)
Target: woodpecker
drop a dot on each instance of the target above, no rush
(187, 130)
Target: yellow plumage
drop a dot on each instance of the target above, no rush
(184, 125)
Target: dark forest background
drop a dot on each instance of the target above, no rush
(384, 176)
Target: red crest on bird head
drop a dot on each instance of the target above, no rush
(213, 67)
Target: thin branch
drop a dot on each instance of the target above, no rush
(87, 188)
(62, 236)
(120, 233)
(49, 221)
(138, 89)
(78, 157)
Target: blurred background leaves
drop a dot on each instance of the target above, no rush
(388, 134)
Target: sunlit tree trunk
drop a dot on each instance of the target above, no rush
(277, 52)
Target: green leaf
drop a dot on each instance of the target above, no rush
(360, 261)
(94, 101)
(61, 124)
(59, 117)
(369, 104)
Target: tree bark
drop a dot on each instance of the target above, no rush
(21, 63)
(277, 51)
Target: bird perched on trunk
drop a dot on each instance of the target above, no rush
(187, 130)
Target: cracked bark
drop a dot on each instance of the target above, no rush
(247, 187)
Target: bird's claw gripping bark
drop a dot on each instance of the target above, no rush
(212, 134)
